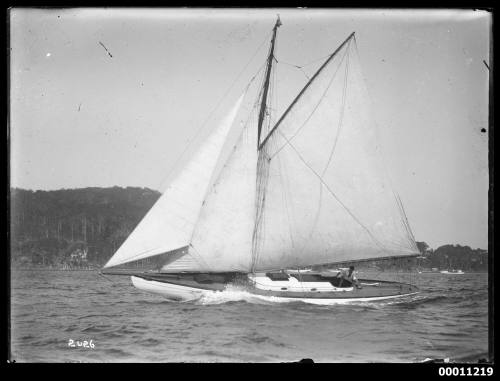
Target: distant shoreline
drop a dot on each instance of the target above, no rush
(52, 269)
(359, 272)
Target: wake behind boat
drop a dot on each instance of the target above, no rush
(306, 189)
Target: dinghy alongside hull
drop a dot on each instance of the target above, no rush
(188, 288)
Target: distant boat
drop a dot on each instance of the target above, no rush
(454, 272)
(424, 271)
(307, 190)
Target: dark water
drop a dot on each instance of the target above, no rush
(449, 318)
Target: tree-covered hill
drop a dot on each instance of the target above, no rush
(75, 226)
(455, 257)
(46, 227)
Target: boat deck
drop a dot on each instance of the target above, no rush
(218, 282)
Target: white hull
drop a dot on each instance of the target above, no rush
(185, 293)
(458, 272)
(170, 290)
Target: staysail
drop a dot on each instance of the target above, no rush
(222, 239)
(170, 222)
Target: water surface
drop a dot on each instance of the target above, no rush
(448, 319)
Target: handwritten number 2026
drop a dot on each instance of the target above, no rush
(83, 344)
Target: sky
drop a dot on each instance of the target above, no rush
(112, 97)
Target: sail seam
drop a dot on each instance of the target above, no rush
(315, 107)
(382, 247)
(304, 90)
(406, 223)
(217, 177)
(131, 259)
(285, 202)
(342, 109)
(344, 91)
(198, 257)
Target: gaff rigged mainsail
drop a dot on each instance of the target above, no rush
(327, 197)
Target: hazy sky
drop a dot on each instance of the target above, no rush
(104, 97)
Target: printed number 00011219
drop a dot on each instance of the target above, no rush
(465, 371)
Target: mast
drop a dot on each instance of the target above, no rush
(263, 103)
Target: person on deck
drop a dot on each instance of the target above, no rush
(348, 274)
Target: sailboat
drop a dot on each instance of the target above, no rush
(257, 211)
(452, 271)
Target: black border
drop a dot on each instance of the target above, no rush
(306, 367)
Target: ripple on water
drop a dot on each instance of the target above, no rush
(128, 325)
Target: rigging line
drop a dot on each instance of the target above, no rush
(269, 111)
(407, 223)
(316, 60)
(285, 201)
(401, 214)
(273, 101)
(197, 132)
(304, 89)
(259, 230)
(260, 198)
(266, 121)
(295, 66)
(101, 274)
(335, 196)
(315, 107)
(341, 117)
(263, 102)
(133, 258)
(316, 218)
(245, 125)
(261, 87)
(386, 173)
(286, 63)
(409, 235)
(216, 181)
(306, 64)
(197, 257)
(303, 72)
(221, 173)
(318, 211)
